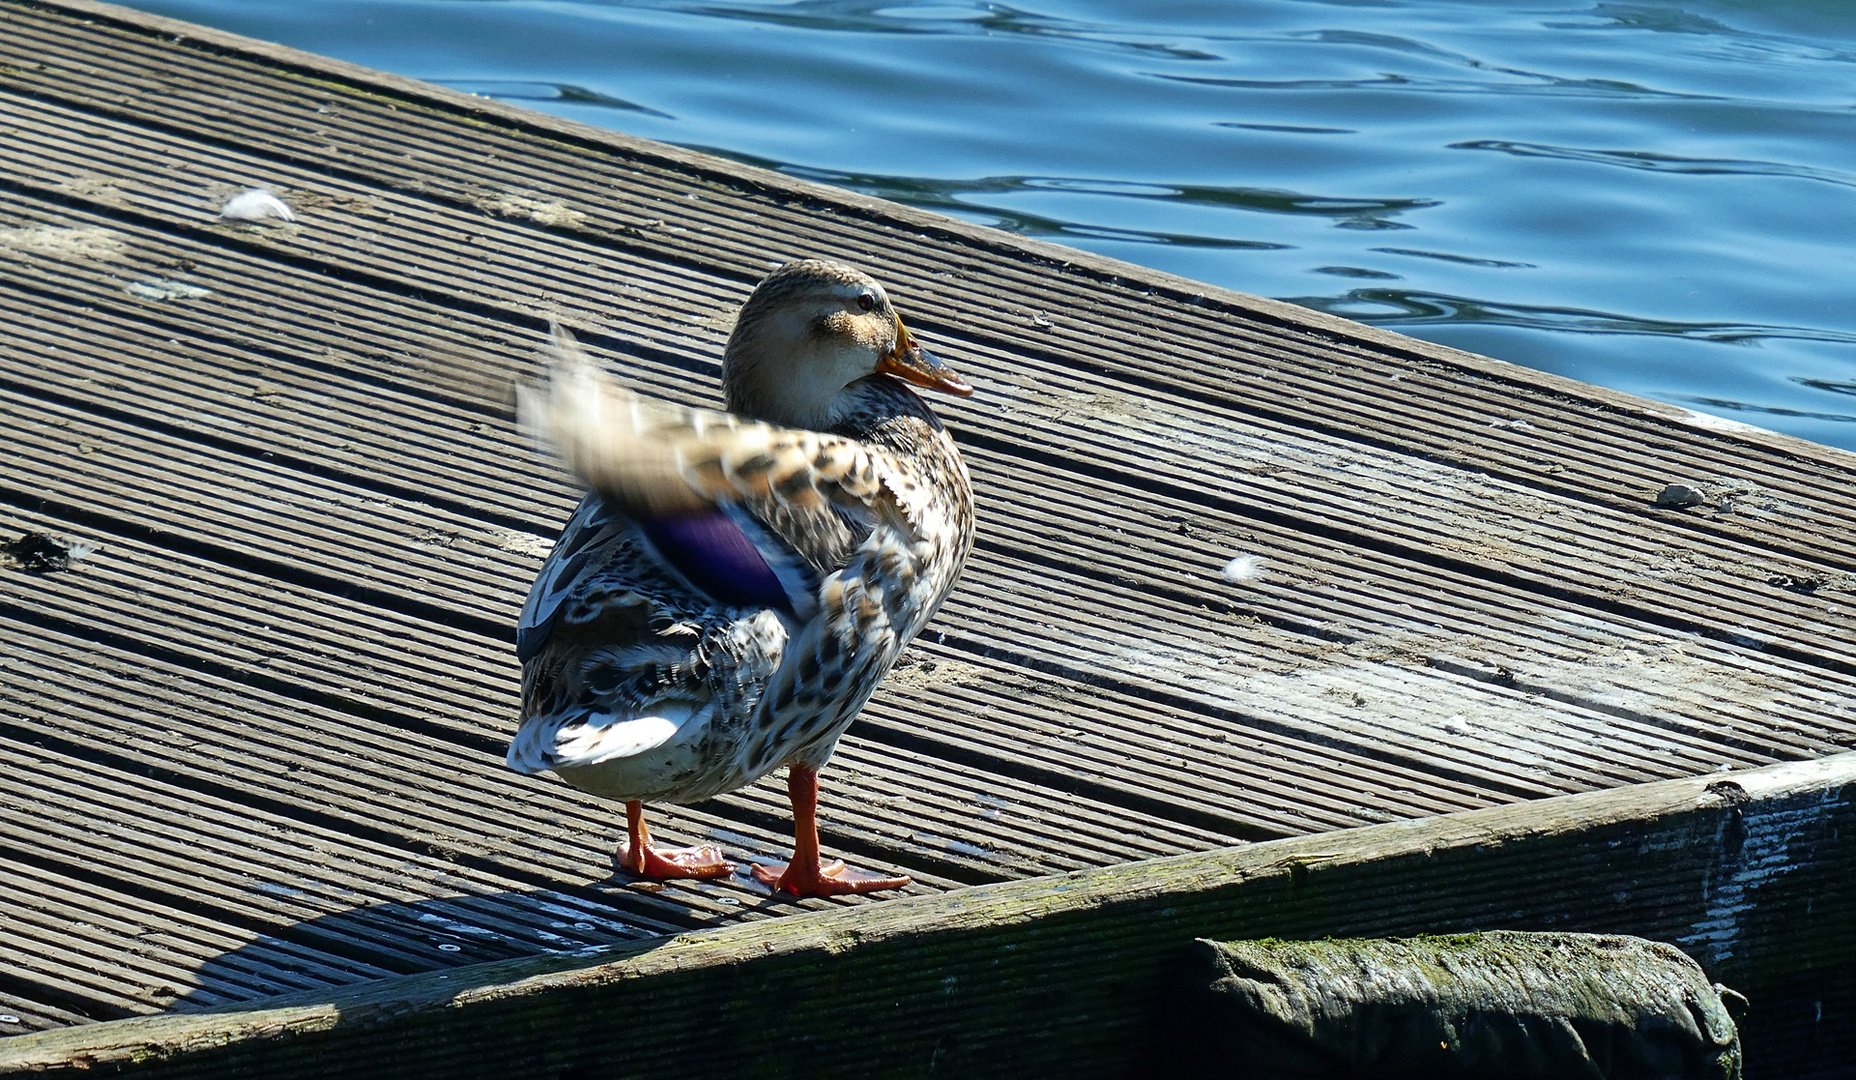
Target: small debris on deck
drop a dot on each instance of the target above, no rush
(255, 205)
(287, 654)
(42, 553)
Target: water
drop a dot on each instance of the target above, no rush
(1656, 197)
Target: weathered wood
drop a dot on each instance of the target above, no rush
(315, 536)
(1598, 561)
(417, 151)
(1060, 976)
(1497, 1005)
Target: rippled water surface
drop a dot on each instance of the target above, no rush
(1657, 197)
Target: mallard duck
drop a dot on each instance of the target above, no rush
(736, 584)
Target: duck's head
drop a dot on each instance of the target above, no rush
(811, 331)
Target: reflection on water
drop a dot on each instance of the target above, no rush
(1769, 410)
(983, 19)
(1656, 196)
(980, 200)
(1447, 257)
(1532, 84)
(1643, 159)
(531, 92)
(1405, 308)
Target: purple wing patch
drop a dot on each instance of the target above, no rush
(717, 557)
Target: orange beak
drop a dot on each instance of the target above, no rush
(912, 364)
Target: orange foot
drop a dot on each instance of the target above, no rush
(703, 861)
(813, 879)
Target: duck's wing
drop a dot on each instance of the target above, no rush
(862, 540)
(751, 502)
(620, 655)
(584, 549)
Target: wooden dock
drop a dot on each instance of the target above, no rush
(251, 735)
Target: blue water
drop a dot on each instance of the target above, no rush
(1657, 197)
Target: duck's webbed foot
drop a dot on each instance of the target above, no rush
(702, 861)
(807, 874)
(666, 864)
(804, 878)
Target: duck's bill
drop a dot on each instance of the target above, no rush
(913, 364)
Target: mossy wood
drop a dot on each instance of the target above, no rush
(1493, 1005)
(259, 566)
(1750, 874)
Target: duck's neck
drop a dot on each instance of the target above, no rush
(780, 402)
(853, 410)
(879, 409)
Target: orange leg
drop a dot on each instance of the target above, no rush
(804, 876)
(704, 861)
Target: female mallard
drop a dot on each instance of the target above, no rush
(736, 584)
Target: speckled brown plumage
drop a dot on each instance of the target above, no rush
(736, 585)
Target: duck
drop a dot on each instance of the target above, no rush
(736, 583)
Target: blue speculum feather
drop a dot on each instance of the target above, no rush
(717, 557)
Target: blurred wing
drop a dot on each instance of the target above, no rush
(712, 489)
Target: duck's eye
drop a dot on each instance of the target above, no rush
(866, 301)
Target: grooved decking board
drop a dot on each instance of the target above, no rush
(251, 745)
(1067, 976)
(20, 1015)
(626, 197)
(1413, 514)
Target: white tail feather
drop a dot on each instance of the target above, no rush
(592, 743)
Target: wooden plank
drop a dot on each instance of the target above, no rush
(1040, 544)
(259, 748)
(315, 539)
(118, 449)
(20, 1014)
(243, 640)
(345, 909)
(327, 646)
(106, 462)
(291, 640)
(133, 956)
(402, 134)
(1061, 976)
(1739, 585)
